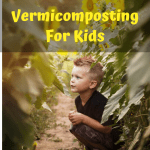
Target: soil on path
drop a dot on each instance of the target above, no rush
(60, 137)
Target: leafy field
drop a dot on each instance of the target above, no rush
(35, 71)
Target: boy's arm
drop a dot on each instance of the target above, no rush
(78, 118)
(95, 124)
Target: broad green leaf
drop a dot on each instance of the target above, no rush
(26, 81)
(121, 57)
(42, 64)
(38, 46)
(12, 42)
(9, 144)
(61, 86)
(107, 93)
(93, 64)
(99, 59)
(58, 84)
(41, 99)
(122, 31)
(32, 27)
(7, 58)
(148, 113)
(116, 74)
(111, 49)
(113, 103)
(114, 89)
(108, 35)
(110, 71)
(139, 69)
(145, 135)
(145, 11)
(124, 78)
(66, 92)
(134, 100)
(109, 63)
(115, 41)
(135, 5)
(53, 46)
(38, 103)
(129, 40)
(136, 138)
(44, 105)
(147, 132)
(16, 122)
(105, 86)
(121, 101)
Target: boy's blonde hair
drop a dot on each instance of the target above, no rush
(96, 71)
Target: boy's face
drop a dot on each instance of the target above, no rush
(80, 81)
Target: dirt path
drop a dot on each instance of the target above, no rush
(60, 138)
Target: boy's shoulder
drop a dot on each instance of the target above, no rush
(96, 98)
(100, 95)
(77, 99)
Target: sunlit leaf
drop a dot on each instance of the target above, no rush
(136, 138)
(139, 69)
(113, 103)
(61, 86)
(145, 135)
(107, 93)
(135, 100)
(105, 86)
(114, 89)
(147, 132)
(44, 105)
(121, 57)
(58, 84)
(42, 64)
(26, 81)
(41, 99)
(108, 35)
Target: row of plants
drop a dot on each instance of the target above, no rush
(125, 56)
(30, 76)
(29, 73)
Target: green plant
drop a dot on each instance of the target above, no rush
(28, 74)
(57, 140)
(127, 70)
(42, 119)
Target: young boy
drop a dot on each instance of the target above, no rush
(90, 106)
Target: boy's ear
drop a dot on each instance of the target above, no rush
(93, 84)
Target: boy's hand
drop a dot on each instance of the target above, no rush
(71, 112)
(76, 118)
